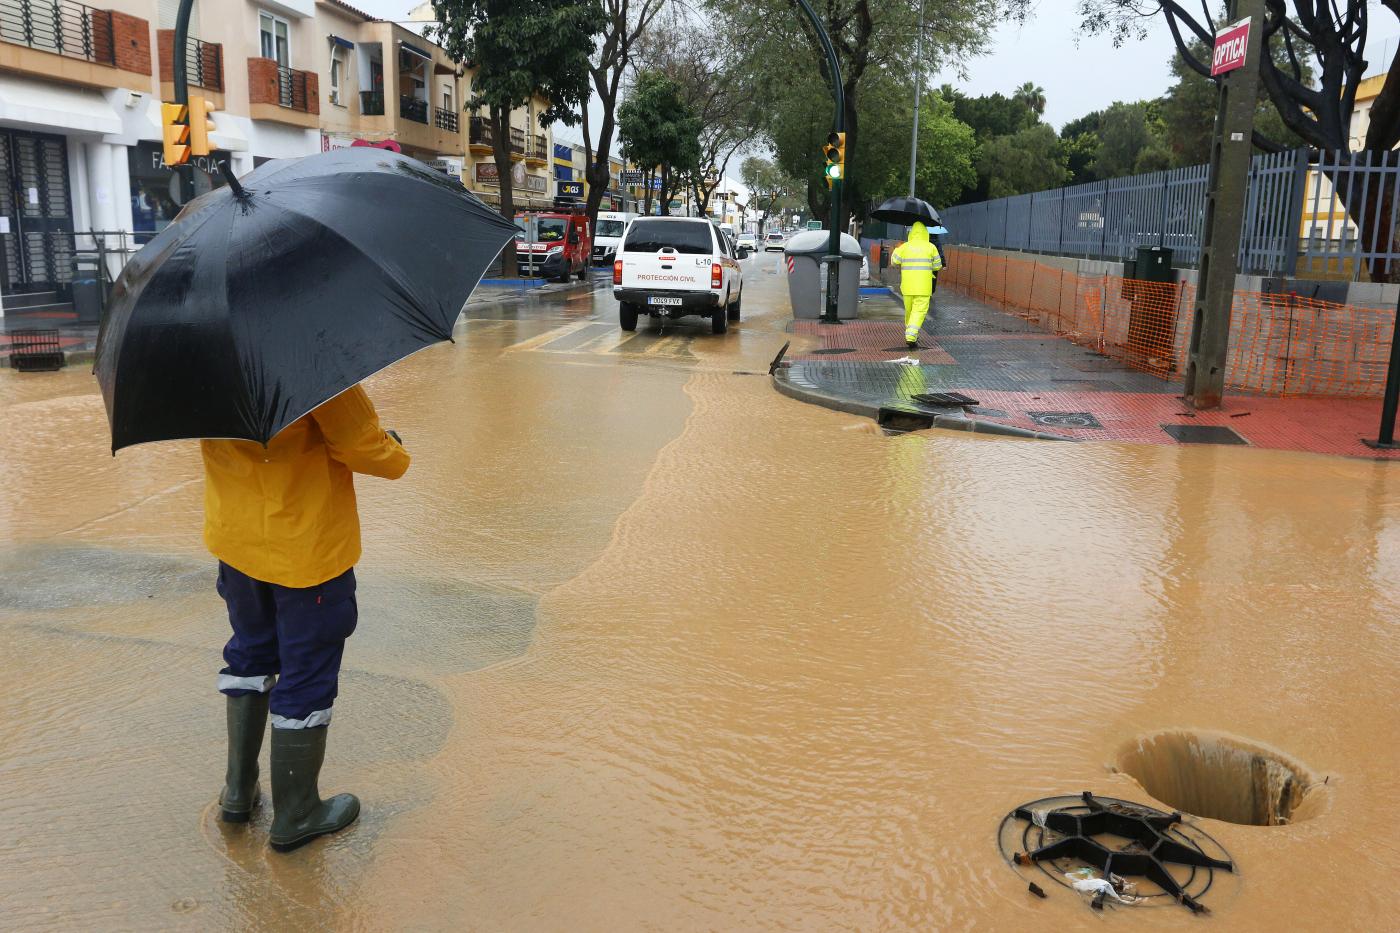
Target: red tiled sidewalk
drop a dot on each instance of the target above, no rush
(869, 342)
(1328, 426)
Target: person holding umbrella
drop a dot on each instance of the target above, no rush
(918, 259)
(282, 521)
(919, 264)
(249, 323)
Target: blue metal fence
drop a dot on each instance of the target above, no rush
(1296, 221)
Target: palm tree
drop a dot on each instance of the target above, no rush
(1032, 95)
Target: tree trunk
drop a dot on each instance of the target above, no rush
(647, 179)
(665, 198)
(500, 148)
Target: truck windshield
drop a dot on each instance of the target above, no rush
(551, 229)
(683, 236)
(610, 227)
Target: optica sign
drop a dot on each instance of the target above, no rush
(1230, 45)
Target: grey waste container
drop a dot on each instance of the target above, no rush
(87, 288)
(803, 254)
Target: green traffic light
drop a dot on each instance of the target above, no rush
(833, 171)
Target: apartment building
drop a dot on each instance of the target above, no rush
(80, 127)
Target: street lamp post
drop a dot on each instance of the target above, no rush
(918, 91)
(833, 246)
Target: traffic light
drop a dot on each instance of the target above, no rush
(176, 129)
(835, 151)
(201, 126)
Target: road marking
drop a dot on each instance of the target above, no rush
(549, 336)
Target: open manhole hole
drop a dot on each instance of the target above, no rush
(1220, 777)
(1112, 852)
(833, 350)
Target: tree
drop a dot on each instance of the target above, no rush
(623, 24)
(990, 115)
(1297, 33)
(1123, 135)
(1032, 96)
(1189, 106)
(1029, 160)
(768, 186)
(703, 65)
(873, 40)
(658, 128)
(520, 50)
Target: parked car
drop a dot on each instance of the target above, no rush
(747, 241)
(774, 240)
(606, 238)
(670, 267)
(560, 248)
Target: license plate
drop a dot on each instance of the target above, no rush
(663, 301)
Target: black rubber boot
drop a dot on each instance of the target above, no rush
(912, 344)
(247, 721)
(298, 812)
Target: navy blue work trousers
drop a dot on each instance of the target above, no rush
(289, 641)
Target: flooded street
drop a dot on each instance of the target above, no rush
(644, 644)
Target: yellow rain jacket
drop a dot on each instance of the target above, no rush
(918, 260)
(285, 513)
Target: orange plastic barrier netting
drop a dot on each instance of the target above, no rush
(1279, 344)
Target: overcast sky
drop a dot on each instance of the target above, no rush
(1079, 74)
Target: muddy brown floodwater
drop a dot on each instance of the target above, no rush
(646, 645)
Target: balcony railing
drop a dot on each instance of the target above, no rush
(517, 140)
(411, 108)
(204, 64)
(59, 26)
(479, 132)
(537, 148)
(445, 119)
(291, 89)
(372, 103)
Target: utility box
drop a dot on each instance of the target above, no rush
(1153, 264)
(806, 288)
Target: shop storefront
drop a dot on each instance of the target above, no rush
(155, 187)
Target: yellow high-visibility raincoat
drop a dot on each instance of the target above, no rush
(285, 513)
(919, 262)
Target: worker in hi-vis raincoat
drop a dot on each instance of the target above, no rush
(919, 263)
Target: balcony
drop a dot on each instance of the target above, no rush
(480, 139)
(281, 94)
(411, 108)
(60, 27)
(445, 119)
(372, 103)
(517, 143)
(538, 153)
(204, 62)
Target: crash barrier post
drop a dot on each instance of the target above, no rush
(1281, 343)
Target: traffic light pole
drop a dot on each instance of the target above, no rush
(182, 90)
(833, 247)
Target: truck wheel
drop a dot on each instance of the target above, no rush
(627, 315)
(719, 321)
(583, 272)
(734, 308)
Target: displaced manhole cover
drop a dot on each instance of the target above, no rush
(1202, 434)
(835, 350)
(1113, 852)
(1064, 419)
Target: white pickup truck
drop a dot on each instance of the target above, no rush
(675, 266)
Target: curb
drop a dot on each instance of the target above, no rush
(880, 413)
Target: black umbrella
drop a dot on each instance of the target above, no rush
(268, 297)
(906, 211)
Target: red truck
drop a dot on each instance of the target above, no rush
(554, 244)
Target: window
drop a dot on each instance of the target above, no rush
(682, 236)
(447, 99)
(275, 35)
(337, 74)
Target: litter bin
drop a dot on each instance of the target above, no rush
(87, 288)
(803, 254)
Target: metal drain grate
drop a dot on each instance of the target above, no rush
(1065, 419)
(1063, 833)
(1202, 434)
(945, 399)
(34, 351)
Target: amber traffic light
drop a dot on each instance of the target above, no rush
(201, 126)
(175, 128)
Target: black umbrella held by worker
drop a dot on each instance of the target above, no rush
(906, 212)
(268, 297)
